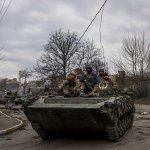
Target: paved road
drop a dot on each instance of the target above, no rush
(137, 138)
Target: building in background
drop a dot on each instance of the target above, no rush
(9, 85)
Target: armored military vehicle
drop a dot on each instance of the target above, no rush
(112, 116)
(104, 112)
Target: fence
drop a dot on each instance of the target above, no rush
(142, 88)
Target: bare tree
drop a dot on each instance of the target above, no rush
(64, 52)
(24, 74)
(89, 55)
(98, 64)
(59, 53)
(135, 56)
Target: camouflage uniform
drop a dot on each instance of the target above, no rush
(95, 91)
(70, 86)
(89, 81)
(106, 86)
(100, 75)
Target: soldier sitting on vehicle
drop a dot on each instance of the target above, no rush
(72, 85)
(100, 75)
(106, 86)
(69, 86)
(79, 77)
(95, 91)
(89, 82)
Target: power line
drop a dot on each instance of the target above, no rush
(5, 11)
(100, 27)
(102, 47)
(90, 23)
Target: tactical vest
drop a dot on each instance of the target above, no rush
(89, 78)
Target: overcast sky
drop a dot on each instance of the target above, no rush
(26, 25)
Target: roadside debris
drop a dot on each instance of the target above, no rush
(144, 113)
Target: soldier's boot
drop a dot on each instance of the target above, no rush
(94, 91)
(76, 92)
(102, 92)
(82, 93)
(66, 92)
(82, 89)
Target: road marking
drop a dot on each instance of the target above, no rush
(8, 130)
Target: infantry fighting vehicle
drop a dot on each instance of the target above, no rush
(111, 115)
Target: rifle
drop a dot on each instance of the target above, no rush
(86, 85)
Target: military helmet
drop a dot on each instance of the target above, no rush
(71, 76)
(78, 71)
(101, 70)
(106, 76)
(105, 73)
(88, 69)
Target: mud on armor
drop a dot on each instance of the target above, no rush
(110, 115)
(119, 118)
(68, 88)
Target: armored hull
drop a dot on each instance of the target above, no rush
(58, 115)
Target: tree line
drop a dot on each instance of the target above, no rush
(134, 58)
(64, 52)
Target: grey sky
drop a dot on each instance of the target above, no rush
(25, 28)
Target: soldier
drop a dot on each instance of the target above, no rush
(106, 85)
(100, 75)
(79, 77)
(95, 91)
(78, 71)
(89, 81)
(69, 88)
(106, 78)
